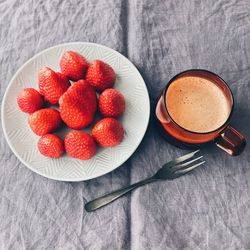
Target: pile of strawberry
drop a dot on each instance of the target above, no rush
(74, 90)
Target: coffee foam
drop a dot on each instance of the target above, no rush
(197, 104)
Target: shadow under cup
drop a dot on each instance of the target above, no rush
(225, 137)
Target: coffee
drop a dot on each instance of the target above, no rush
(197, 104)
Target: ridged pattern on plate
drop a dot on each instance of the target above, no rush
(135, 120)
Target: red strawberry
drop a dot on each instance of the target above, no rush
(45, 121)
(80, 145)
(108, 132)
(29, 100)
(63, 78)
(111, 103)
(78, 105)
(100, 75)
(51, 146)
(73, 65)
(52, 85)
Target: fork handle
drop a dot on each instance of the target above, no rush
(108, 198)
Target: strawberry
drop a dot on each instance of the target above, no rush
(80, 145)
(73, 65)
(63, 78)
(111, 103)
(108, 132)
(45, 121)
(52, 85)
(29, 100)
(100, 75)
(51, 146)
(78, 105)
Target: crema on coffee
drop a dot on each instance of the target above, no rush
(197, 104)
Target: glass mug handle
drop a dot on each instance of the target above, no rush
(231, 141)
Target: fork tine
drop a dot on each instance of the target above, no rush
(186, 170)
(180, 159)
(182, 165)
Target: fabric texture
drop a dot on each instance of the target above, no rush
(208, 209)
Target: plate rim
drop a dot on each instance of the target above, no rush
(27, 62)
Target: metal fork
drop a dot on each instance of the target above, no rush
(168, 171)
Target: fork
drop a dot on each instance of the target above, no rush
(168, 171)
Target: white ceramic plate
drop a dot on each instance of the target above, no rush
(23, 141)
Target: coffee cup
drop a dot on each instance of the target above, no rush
(195, 109)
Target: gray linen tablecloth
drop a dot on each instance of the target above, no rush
(209, 209)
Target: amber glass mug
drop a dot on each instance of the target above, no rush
(225, 137)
